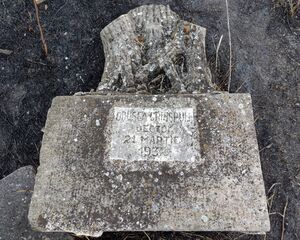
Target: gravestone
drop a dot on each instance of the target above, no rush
(181, 157)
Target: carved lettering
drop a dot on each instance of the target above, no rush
(154, 134)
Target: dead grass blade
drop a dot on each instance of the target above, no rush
(37, 16)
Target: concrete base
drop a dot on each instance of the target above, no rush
(150, 163)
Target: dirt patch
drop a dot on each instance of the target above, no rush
(266, 63)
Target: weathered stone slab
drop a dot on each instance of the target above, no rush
(150, 163)
(15, 194)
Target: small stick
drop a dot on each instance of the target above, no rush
(275, 213)
(230, 50)
(5, 51)
(38, 2)
(239, 88)
(31, 61)
(268, 146)
(273, 185)
(44, 44)
(217, 52)
(147, 236)
(283, 220)
(265, 236)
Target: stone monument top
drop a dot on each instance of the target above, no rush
(151, 50)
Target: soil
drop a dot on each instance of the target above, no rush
(266, 63)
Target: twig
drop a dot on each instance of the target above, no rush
(32, 61)
(5, 51)
(24, 190)
(273, 185)
(230, 47)
(62, 6)
(240, 236)
(275, 213)
(239, 88)
(147, 236)
(217, 52)
(266, 147)
(283, 220)
(270, 201)
(38, 2)
(195, 235)
(44, 44)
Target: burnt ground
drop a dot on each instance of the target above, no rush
(266, 63)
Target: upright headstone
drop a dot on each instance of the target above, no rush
(132, 162)
(150, 49)
(15, 194)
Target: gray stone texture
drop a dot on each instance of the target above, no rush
(151, 50)
(80, 188)
(15, 194)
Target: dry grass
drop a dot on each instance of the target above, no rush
(37, 16)
(291, 6)
(169, 236)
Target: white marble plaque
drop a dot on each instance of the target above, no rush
(154, 134)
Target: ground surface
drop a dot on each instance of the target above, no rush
(266, 63)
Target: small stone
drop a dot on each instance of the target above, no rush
(204, 218)
(15, 195)
(119, 177)
(97, 122)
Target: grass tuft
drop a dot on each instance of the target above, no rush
(291, 6)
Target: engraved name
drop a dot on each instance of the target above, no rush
(158, 134)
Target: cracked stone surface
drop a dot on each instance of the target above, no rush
(151, 50)
(15, 194)
(211, 182)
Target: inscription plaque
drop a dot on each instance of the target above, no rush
(156, 134)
